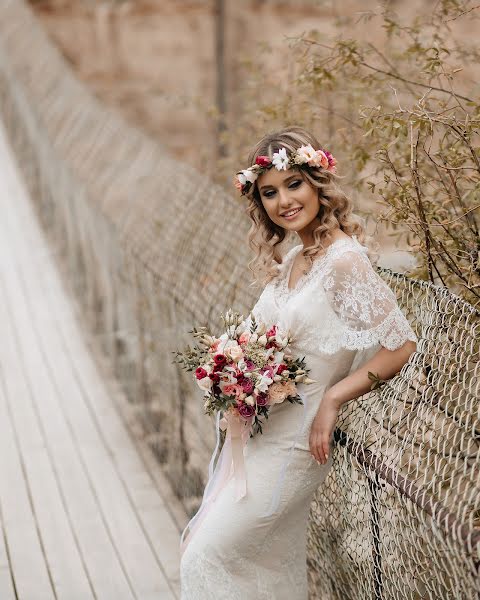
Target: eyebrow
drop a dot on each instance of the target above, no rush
(286, 179)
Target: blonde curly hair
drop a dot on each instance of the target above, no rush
(335, 210)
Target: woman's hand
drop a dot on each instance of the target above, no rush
(322, 428)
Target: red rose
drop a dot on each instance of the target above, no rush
(200, 373)
(281, 368)
(220, 359)
(215, 377)
(263, 161)
(240, 377)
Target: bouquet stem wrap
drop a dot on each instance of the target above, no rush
(232, 462)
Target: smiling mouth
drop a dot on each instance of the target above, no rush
(291, 213)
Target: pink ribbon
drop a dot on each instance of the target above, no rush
(230, 462)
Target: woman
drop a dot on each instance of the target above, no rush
(346, 322)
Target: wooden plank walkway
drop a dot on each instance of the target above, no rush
(83, 511)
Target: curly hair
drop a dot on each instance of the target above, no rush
(335, 209)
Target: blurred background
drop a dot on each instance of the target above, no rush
(208, 78)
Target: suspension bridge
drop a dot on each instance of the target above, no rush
(103, 444)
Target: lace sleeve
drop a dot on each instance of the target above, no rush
(366, 307)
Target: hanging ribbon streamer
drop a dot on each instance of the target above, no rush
(231, 462)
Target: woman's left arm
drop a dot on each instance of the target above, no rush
(367, 313)
(384, 364)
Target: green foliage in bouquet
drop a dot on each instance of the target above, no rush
(245, 370)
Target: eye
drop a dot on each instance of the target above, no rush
(293, 185)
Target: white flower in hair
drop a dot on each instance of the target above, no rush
(247, 175)
(305, 154)
(280, 160)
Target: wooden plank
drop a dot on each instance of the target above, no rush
(98, 554)
(7, 591)
(107, 470)
(59, 545)
(27, 561)
(80, 503)
(157, 521)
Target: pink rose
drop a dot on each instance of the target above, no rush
(268, 369)
(245, 410)
(331, 161)
(243, 339)
(262, 399)
(263, 161)
(277, 393)
(232, 389)
(272, 332)
(247, 386)
(319, 160)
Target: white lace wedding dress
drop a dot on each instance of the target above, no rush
(339, 314)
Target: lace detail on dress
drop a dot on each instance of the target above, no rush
(202, 579)
(355, 309)
(364, 304)
(283, 293)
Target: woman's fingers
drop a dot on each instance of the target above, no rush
(314, 446)
(319, 446)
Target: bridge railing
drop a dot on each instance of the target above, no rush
(137, 237)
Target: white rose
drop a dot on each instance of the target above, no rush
(250, 400)
(262, 340)
(306, 153)
(236, 353)
(249, 175)
(205, 384)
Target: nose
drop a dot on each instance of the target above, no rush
(284, 199)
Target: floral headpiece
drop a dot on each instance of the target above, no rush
(303, 156)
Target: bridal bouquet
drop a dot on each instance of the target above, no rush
(244, 371)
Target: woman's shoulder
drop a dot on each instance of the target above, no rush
(345, 250)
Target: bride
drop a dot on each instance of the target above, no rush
(345, 321)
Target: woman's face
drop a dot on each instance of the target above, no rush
(286, 192)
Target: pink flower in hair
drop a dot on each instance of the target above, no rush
(331, 161)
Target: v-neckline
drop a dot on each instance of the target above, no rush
(318, 259)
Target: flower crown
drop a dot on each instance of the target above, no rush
(303, 156)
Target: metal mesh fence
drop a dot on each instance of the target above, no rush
(138, 237)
